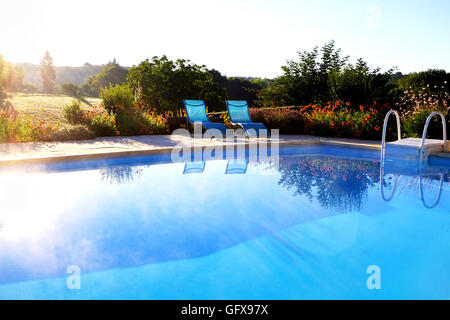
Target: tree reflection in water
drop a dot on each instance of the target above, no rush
(338, 184)
(120, 175)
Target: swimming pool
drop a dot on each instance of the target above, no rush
(146, 228)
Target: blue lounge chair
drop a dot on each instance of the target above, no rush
(194, 167)
(196, 113)
(238, 112)
(236, 167)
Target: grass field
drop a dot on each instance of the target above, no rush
(46, 107)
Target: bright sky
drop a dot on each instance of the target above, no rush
(236, 37)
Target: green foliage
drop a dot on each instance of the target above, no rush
(11, 78)
(4, 137)
(344, 121)
(23, 129)
(2, 80)
(141, 120)
(28, 87)
(237, 88)
(48, 73)
(117, 97)
(73, 112)
(103, 124)
(70, 89)
(328, 120)
(306, 80)
(420, 99)
(360, 84)
(287, 120)
(166, 83)
(76, 132)
(320, 77)
(432, 80)
(111, 74)
(413, 125)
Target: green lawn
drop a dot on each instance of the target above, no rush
(46, 107)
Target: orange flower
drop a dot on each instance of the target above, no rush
(377, 127)
(117, 133)
(361, 108)
(347, 104)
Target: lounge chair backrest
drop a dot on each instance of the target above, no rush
(196, 111)
(238, 111)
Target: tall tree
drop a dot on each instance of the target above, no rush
(165, 83)
(112, 73)
(48, 73)
(2, 80)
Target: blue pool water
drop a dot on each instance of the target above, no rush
(146, 228)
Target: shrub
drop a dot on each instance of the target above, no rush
(112, 73)
(117, 98)
(319, 76)
(70, 89)
(129, 125)
(360, 84)
(23, 129)
(417, 104)
(413, 124)
(166, 83)
(73, 112)
(4, 137)
(329, 120)
(155, 123)
(101, 122)
(287, 120)
(343, 121)
(142, 120)
(77, 132)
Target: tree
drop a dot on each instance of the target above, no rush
(306, 80)
(432, 81)
(321, 77)
(70, 89)
(239, 88)
(166, 83)
(14, 77)
(360, 84)
(48, 73)
(111, 74)
(2, 80)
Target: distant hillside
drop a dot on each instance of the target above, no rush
(75, 75)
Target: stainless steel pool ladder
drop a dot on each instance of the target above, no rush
(424, 134)
(421, 152)
(383, 138)
(425, 129)
(422, 198)
(383, 152)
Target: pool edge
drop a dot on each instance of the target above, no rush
(352, 143)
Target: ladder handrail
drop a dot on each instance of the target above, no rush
(425, 129)
(381, 185)
(438, 196)
(383, 138)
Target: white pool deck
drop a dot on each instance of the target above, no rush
(11, 153)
